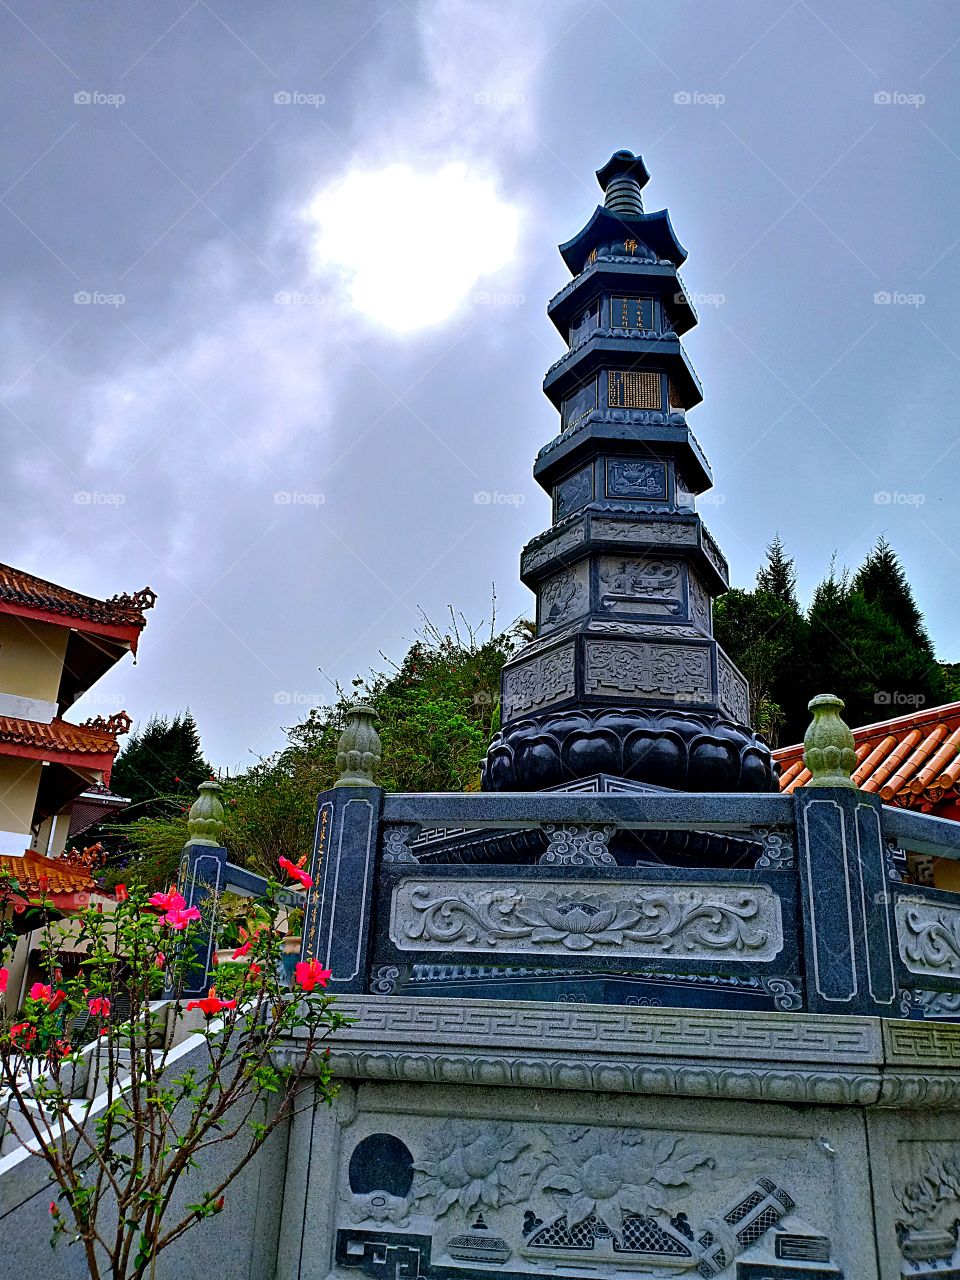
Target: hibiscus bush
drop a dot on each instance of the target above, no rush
(99, 1077)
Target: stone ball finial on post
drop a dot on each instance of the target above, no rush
(358, 751)
(205, 819)
(829, 750)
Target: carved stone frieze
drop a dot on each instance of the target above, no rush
(578, 846)
(397, 839)
(554, 543)
(662, 532)
(574, 492)
(733, 690)
(526, 917)
(928, 935)
(564, 596)
(642, 584)
(678, 671)
(699, 603)
(546, 679)
(778, 852)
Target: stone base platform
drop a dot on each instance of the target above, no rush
(493, 1138)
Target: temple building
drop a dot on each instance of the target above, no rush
(54, 645)
(625, 684)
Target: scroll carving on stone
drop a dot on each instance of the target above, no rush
(564, 596)
(679, 920)
(545, 680)
(667, 671)
(928, 935)
(578, 846)
(655, 531)
(544, 548)
(699, 603)
(642, 585)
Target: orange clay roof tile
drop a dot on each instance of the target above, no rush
(912, 760)
(59, 876)
(56, 737)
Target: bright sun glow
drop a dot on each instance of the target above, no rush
(412, 245)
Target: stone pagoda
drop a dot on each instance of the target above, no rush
(625, 683)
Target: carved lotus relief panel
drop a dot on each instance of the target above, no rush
(684, 921)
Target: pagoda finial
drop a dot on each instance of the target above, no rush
(621, 179)
(829, 748)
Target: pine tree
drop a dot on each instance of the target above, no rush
(779, 574)
(164, 758)
(882, 582)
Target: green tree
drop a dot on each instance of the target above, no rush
(778, 576)
(161, 759)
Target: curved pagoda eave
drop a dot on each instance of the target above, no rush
(652, 229)
(659, 277)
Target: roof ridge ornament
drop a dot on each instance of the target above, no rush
(829, 749)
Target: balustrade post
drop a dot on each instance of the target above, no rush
(339, 906)
(844, 883)
(200, 881)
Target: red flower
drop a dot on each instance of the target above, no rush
(308, 973)
(40, 991)
(253, 970)
(54, 1211)
(99, 1006)
(179, 918)
(169, 901)
(120, 893)
(22, 1034)
(56, 1000)
(161, 961)
(211, 1004)
(242, 951)
(297, 873)
(44, 882)
(4, 979)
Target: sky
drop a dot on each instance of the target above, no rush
(272, 314)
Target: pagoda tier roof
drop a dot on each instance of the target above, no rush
(660, 278)
(654, 229)
(912, 761)
(87, 746)
(27, 596)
